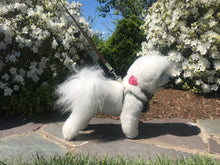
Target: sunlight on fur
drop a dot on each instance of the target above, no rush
(88, 92)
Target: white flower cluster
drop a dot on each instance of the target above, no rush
(37, 40)
(188, 33)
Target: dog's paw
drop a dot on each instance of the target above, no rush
(69, 132)
(131, 135)
(69, 135)
(129, 132)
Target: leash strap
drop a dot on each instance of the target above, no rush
(104, 61)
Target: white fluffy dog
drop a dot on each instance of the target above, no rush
(89, 92)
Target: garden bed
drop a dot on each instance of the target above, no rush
(171, 103)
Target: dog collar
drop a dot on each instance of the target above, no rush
(147, 94)
(146, 104)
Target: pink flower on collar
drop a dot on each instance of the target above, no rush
(132, 80)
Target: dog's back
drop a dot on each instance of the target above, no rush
(90, 87)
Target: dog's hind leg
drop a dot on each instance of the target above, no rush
(75, 123)
(130, 116)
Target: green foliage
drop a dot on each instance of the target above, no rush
(125, 42)
(39, 44)
(120, 48)
(100, 43)
(30, 102)
(126, 8)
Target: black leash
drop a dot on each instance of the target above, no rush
(104, 61)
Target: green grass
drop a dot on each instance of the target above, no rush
(118, 160)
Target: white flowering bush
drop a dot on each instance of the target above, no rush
(39, 43)
(188, 33)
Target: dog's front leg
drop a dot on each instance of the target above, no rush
(131, 110)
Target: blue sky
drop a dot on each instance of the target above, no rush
(88, 9)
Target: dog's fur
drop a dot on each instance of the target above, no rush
(89, 92)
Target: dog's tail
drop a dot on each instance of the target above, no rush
(81, 89)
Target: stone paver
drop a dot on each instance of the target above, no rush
(214, 147)
(17, 127)
(128, 148)
(212, 126)
(176, 132)
(55, 129)
(194, 142)
(26, 147)
(172, 137)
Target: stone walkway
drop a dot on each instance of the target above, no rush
(174, 138)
